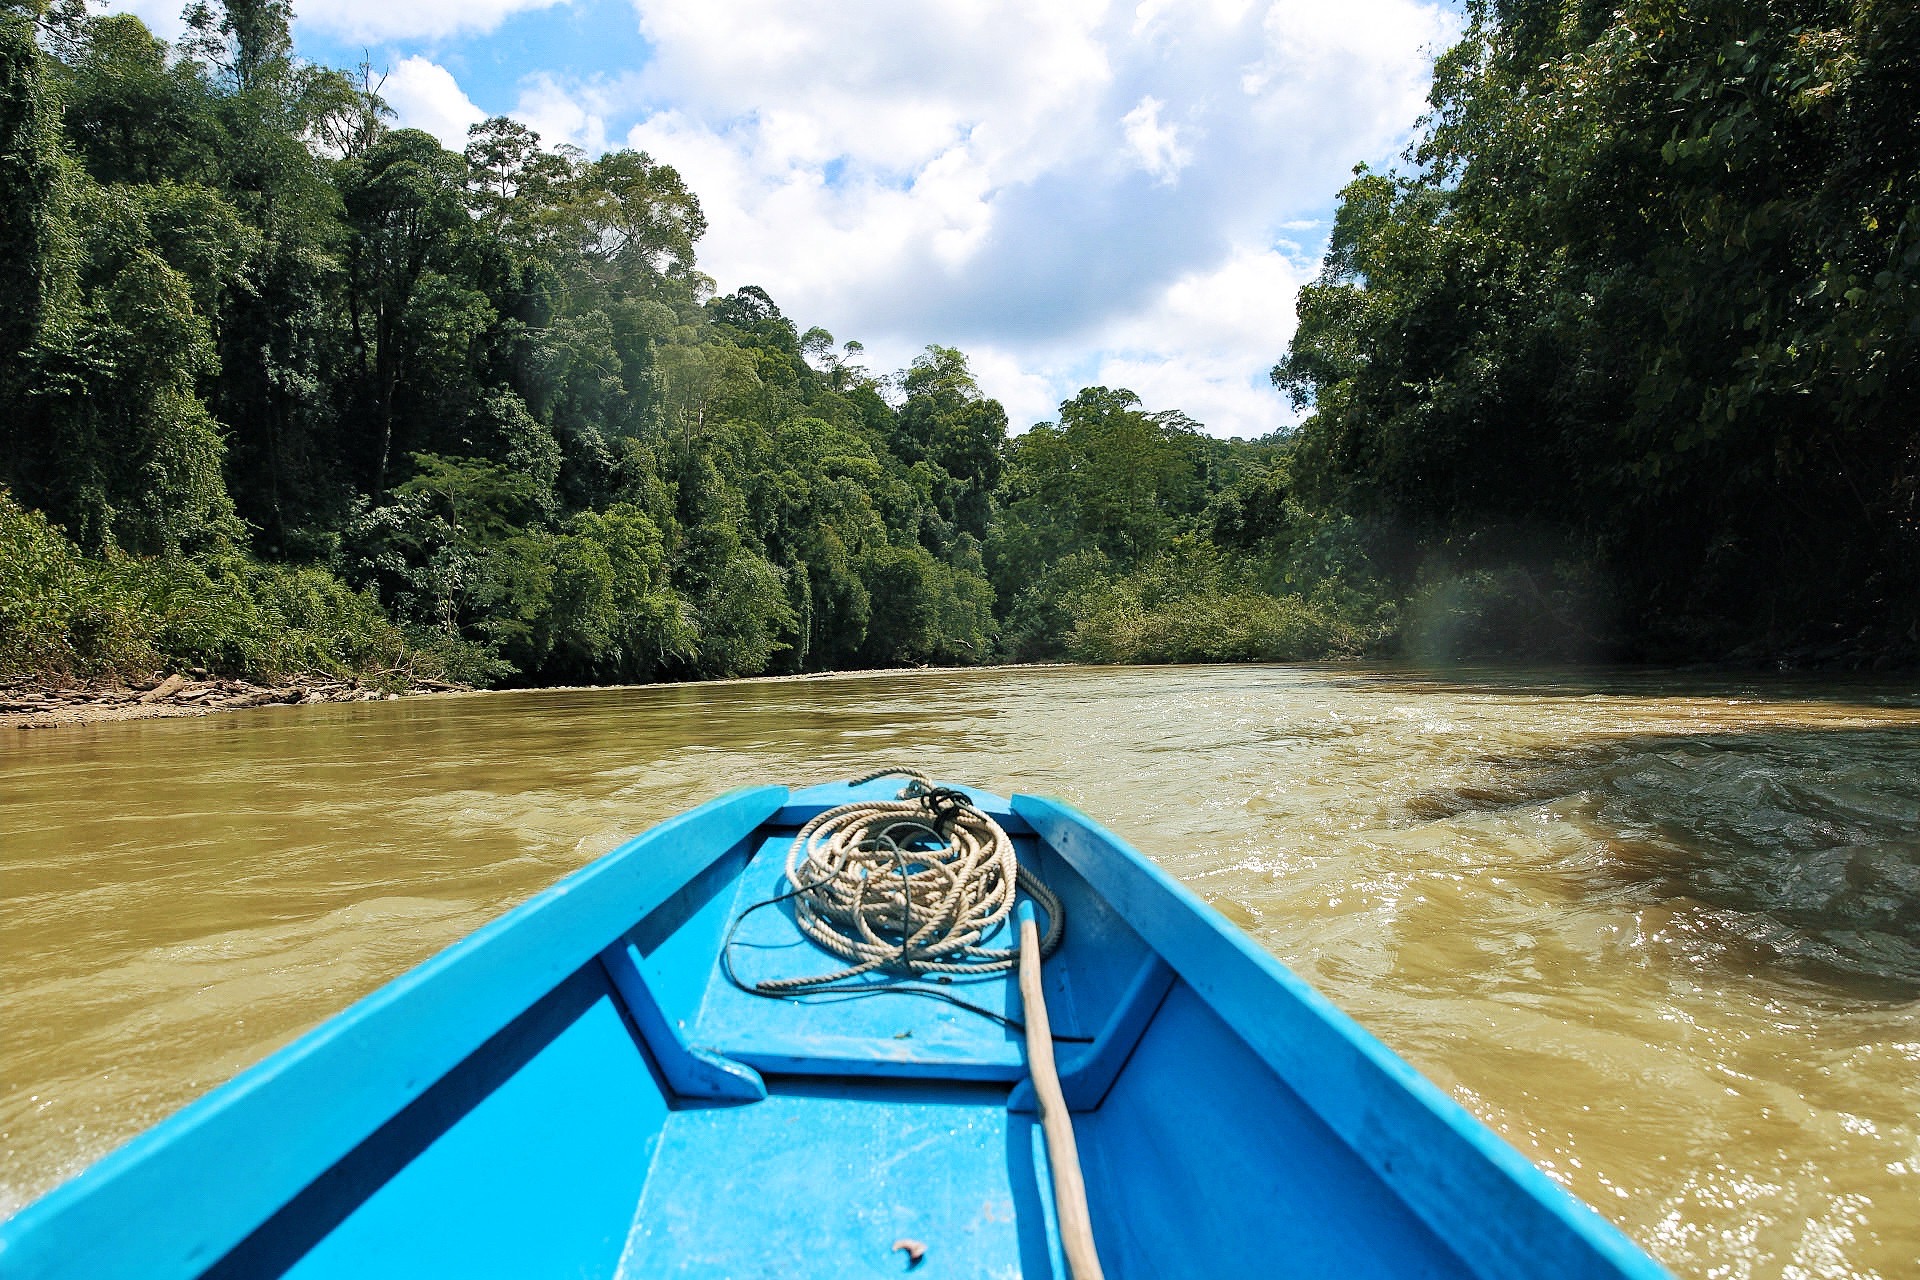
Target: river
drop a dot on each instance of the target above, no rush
(1660, 931)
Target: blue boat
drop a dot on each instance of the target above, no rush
(611, 1080)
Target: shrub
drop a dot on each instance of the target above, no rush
(61, 613)
(1199, 604)
(64, 613)
(1042, 614)
(1509, 610)
(924, 610)
(1208, 626)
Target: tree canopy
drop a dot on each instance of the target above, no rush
(1648, 298)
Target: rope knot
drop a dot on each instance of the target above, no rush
(945, 805)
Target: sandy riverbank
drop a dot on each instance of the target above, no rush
(31, 703)
(36, 703)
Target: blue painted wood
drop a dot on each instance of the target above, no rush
(1086, 1076)
(577, 1121)
(1478, 1194)
(680, 938)
(894, 1034)
(566, 1093)
(1041, 1171)
(1202, 1163)
(886, 1034)
(174, 1200)
(823, 1177)
(507, 1063)
(691, 1072)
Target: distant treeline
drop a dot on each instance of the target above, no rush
(1625, 365)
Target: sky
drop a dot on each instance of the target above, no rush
(1072, 192)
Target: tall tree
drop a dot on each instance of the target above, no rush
(35, 257)
(1652, 295)
(958, 432)
(249, 41)
(404, 210)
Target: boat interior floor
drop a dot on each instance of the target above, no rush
(664, 1122)
(828, 1177)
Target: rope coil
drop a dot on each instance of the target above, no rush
(909, 886)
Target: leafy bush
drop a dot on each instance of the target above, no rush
(1200, 605)
(1041, 615)
(1196, 603)
(1206, 625)
(591, 604)
(925, 610)
(1244, 627)
(741, 617)
(61, 613)
(230, 613)
(65, 613)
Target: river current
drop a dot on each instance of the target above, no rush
(1662, 932)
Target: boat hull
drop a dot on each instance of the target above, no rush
(579, 1090)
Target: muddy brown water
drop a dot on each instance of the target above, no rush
(1662, 932)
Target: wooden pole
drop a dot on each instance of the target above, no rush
(1069, 1187)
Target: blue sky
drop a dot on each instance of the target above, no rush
(1071, 192)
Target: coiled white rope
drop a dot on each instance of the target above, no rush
(909, 886)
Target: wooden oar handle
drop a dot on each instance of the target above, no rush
(1069, 1187)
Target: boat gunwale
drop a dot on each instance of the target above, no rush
(1237, 979)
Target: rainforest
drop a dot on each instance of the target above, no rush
(1620, 363)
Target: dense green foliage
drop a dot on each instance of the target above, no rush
(63, 613)
(1623, 364)
(1637, 345)
(261, 340)
(1128, 536)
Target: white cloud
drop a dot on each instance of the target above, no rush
(424, 95)
(1156, 146)
(162, 17)
(1075, 191)
(1070, 192)
(1206, 344)
(878, 83)
(575, 116)
(1202, 346)
(369, 20)
(1029, 393)
(409, 19)
(372, 21)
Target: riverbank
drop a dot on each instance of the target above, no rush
(35, 703)
(30, 703)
